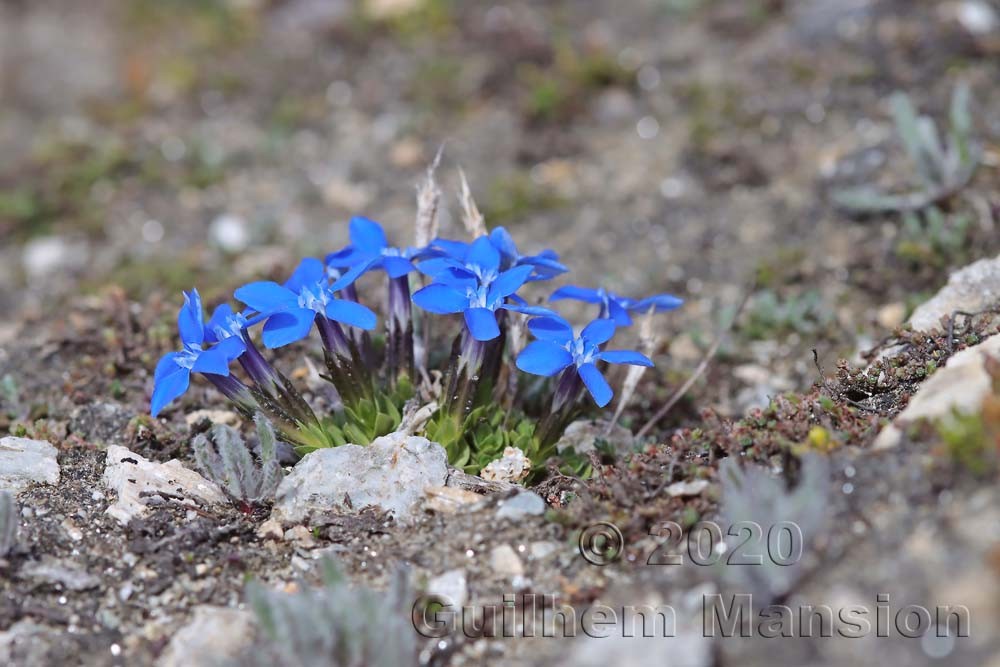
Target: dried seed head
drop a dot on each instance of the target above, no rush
(428, 200)
(472, 219)
(647, 343)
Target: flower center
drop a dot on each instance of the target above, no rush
(188, 355)
(313, 298)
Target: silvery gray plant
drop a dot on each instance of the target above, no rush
(944, 165)
(752, 493)
(223, 457)
(8, 523)
(333, 624)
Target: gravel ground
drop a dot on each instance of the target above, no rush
(682, 146)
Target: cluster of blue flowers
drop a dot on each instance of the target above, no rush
(479, 279)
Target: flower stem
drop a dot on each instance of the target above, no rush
(271, 382)
(399, 331)
(347, 369)
(565, 407)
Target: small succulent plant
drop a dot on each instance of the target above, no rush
(943, 167)
(223, 457)
(8, 523)
(480, 397)
(333, 624)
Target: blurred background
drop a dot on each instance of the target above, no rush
(660, 145)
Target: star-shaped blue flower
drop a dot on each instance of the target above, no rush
(292, 308)
(545, 265)
(476, 287)
(370, 248)
(614, 306)
(173, 372)
(558, 349)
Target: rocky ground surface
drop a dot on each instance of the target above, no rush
(679, 146)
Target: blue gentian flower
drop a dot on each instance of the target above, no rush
(614, 306)
(173, 372)
(476, 287)
(292, 308)
(455, 254)
(370, 248)
(558, 349)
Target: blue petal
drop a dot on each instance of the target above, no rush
(309, 272)
(520, 306)
(437, 265)
(230, 348)
(482, 323)
(507, 283)
(504, 243)
(441, 299)
(598, 331)
(190, 319)
(596, 384)
(660, 302)
(545, 267)
(347, 257)
(542, 357)
(577, 294)
(267, 297)
(625, 357)
(454, 249)
(367, 235)
(396, 267)
(212, 360)
(287, 327)
(352, 274)
(618, 313)
(218, 320)
(554, 329)
(168, 387)
(165, 366)
(483, 255)
(351, 312)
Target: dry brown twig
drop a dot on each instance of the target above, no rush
(720, 336)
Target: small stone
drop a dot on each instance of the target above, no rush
(961, 385)
(300, 536)
(449, 499)
(215, 635)
(138, 482)
(44, 255)
(391, 473)
(230, 233)
(891, 315)
(512, 467)
(687, 488)
(346, 195)
(976, 16)
(225, 417)
(505, 561)
(382, 10)
(201, 569)
(61, 571)
(23, 461)
(72, 532)
(407, 152)
(525, 503)
(584, 434)
(270, 530)
(451, 586)
(542, 549)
